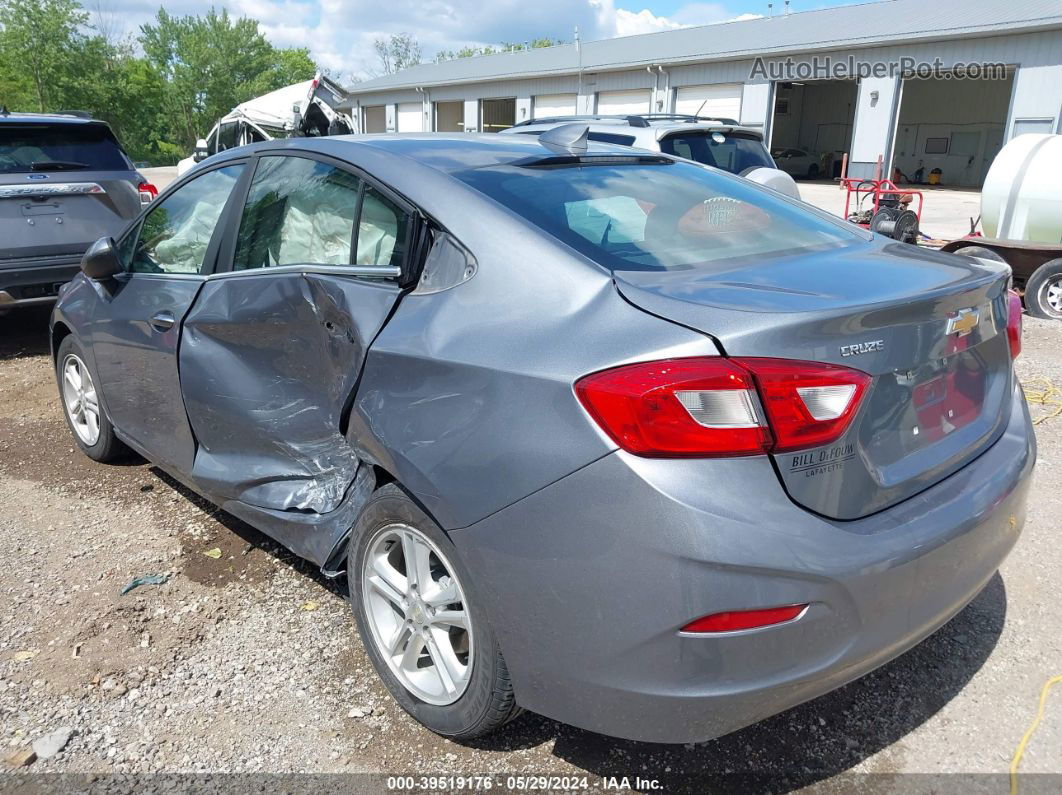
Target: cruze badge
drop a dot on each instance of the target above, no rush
(963, 322)
(862, 347)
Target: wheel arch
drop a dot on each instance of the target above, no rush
(335, 564)
(60, 331)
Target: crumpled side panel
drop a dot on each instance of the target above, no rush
(267, 363)
(317, 537)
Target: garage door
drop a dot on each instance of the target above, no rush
(375, 119)
(553, 105)
(624, 102)
(718, 101)
(410, 117)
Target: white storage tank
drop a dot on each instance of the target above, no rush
(1022, 196)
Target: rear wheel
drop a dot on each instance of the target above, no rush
(1043, 291)
(421, 623)
(79, 391)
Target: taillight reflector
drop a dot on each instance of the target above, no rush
(1014, 323)
(743, 619)
(714, 407)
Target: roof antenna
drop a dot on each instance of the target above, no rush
(566, 139)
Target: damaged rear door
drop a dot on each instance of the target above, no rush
(272, 349)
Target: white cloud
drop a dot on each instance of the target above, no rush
(612, 21)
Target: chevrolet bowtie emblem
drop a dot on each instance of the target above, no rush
(963, 322)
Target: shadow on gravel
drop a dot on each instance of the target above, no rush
(807, 744)
(24, 332)
(246, 536)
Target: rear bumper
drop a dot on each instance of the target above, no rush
(588, 581)
(36, 281)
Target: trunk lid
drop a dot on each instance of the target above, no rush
(937, 400)
(61, 213)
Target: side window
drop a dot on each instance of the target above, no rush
(212, 141)
(174, 235)
(680, 147)
(228, 136)
(298, 212)
(612, 138)
(126, 247)
(253, 135)
(383, 231)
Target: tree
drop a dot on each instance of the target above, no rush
(397, 52)
(211, 64)
(194, 69)
(291, 66)
(38, 38)
(472, 51)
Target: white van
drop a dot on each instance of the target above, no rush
(301, 110)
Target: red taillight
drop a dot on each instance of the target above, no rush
(677, 407)
(808, 404)
(1014, 310)
(744, 619)
(711, 407)
(148, 192)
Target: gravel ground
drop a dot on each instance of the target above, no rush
(245, 659)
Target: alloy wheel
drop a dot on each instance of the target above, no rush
(80, 400)
(1051, 294)
(417, 614)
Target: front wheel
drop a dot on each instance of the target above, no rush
(80, 395)
(1043, 291)
(421, 622)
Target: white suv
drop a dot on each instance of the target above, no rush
(720, 143)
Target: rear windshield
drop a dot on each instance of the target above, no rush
(59, 147)
(668, 216)
(733, 152)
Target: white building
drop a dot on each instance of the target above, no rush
(955, 125)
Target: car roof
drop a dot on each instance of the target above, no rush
(654, 130)
(441, 151)
(50, 118)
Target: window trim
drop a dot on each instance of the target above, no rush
(210, 258)
(227, 252)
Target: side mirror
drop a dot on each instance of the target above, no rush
(101, 261)
(201, 150)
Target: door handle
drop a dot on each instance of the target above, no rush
(162, 321)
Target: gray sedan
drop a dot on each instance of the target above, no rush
(603, 434)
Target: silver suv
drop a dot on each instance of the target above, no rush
(720, 143)
(64, 182)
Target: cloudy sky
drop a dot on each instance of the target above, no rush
(340, 33)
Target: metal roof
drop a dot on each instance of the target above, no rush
(826, 29)
(48, 118)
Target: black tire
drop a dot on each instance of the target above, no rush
(488, 701)
(980, 252)
(813, 171)
(1047, 280)
(107, 447)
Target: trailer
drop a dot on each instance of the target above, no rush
(1037, 269)
(1021, 215)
